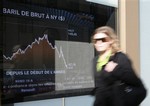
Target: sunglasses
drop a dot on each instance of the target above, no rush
(106, 39)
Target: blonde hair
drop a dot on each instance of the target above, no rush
(109, 32)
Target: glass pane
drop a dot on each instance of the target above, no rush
(45, 47)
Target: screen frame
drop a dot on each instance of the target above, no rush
(75, 92)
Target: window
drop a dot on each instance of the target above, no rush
(46, 47)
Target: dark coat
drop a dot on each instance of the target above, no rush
(107, 92)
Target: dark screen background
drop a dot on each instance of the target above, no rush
(46, 45)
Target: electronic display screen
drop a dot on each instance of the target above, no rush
(46, 50)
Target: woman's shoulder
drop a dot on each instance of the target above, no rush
(121, 54)
(122, 57)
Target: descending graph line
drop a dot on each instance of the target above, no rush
(45, 37)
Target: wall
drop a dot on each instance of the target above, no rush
(134, 32)
(113, 3)
(144, 46)
(69, 101)
(129, 30)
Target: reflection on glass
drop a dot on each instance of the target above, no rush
(46, 47)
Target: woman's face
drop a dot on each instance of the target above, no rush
(102, 42)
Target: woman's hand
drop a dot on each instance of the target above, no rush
(110, 66)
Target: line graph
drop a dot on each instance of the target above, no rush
(72, 58)
(37, 42)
